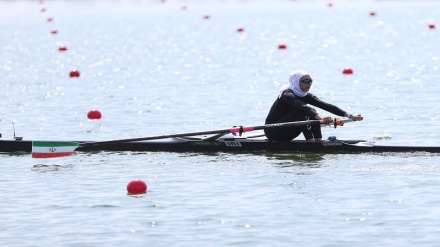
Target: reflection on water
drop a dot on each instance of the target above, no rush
(312, 160)
(51, 168)
(396, 168)
(296, 156)
(104, 206)
(18, 154)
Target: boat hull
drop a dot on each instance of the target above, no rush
(241, 145)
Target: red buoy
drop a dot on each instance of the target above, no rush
(94, 114)
(347, 71)
(53, 31)
(183, 7)
(136, 186)
(63, 48)
(431, 25)
(240, 29)
(372, 13)
(206, 16)
(282, 46)
(43, 9)
(330, 4)
(49, 19)
(74, 73)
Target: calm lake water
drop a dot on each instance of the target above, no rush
(155, 67)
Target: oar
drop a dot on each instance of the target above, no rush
(48, 149)
(239, 129)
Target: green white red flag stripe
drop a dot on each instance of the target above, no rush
(51, 149)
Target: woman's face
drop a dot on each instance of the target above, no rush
(305, 86)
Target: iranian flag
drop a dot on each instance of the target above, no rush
(51, 149)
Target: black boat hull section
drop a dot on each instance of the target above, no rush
(242, 145)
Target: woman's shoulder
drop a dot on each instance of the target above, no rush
(287, 93)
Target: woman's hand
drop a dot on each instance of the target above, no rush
(357, 117)
(326, 120)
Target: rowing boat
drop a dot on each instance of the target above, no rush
(232, 140)
(229, 144)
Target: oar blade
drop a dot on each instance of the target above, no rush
(53, 149)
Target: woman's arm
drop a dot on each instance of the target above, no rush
(313, 100)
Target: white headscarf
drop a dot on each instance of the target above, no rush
(294, 78)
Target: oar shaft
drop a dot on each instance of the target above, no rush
(230, 130)
(288, 124)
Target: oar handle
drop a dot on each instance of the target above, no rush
(341, 121)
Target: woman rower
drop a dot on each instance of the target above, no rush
(292, 105)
